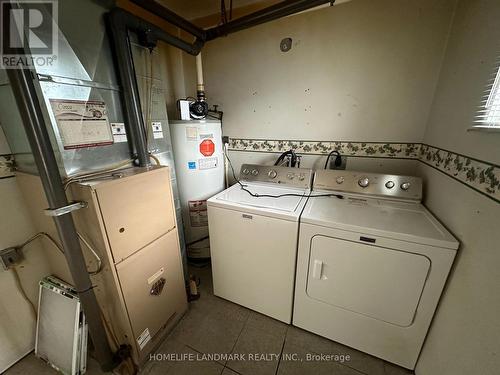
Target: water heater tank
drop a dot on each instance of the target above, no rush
(199, 163)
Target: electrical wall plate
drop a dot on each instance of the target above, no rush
(342, 166)
(10, 256)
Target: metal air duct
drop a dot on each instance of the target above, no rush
(171, 17)
(120, 22)
(271, 13)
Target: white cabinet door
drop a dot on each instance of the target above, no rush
(381, 283)
(132, 222)
(153, 287)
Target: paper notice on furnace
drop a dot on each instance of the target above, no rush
(82, 123)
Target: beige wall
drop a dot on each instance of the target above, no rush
(17, 321)
(363, 70)
(464, 337)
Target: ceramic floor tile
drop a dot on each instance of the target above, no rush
(165, 356)
(93, 367)
(267, 324)
(364, 362)
(259, 352)
(208, 334)
(299, 337)
(391, 369)
(185, 362)
(228, 371)
(358, 360)
(297, 360)
(31, 365)
(218, 308)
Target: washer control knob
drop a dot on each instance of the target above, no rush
(363, 182)
(290, 175)
(245, 171)
(389, 184)
(302, 177)
(405, 185)
(272, 173)
(255, 172)
(340, 179)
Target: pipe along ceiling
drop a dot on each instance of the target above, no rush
(120, 22)
(273, 12)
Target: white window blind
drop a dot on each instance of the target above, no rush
(488, 115)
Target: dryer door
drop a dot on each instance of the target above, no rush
(381, 283)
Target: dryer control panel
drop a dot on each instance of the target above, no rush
(294, 177)
(380, 185)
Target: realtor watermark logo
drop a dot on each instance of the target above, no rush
(28, 33)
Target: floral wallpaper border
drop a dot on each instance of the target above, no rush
(479, 175)
(370, 149)
(6, 166)
(476, 174)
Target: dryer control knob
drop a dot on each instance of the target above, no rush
(255, 172)
(405, 185)
(363, 182)
(245, 171)
(272, 173)
(389, 184)
(340, 179)
(290, 175)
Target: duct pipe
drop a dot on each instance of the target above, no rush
(273, 12)
(327, 5)
(169, 16)
(200, 86)
(120, 22)
(31, 113)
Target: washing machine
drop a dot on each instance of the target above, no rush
(371, 265)
(253, 228)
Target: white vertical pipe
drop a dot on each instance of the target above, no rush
(199, 74)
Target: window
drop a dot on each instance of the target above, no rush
(488, 116)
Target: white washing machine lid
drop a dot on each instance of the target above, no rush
(287, 207)
(410, 222)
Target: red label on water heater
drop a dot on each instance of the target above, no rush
(207, 147)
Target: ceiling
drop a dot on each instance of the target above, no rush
(195, 9)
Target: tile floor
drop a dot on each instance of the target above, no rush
(214, 326)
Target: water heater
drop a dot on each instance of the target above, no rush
(199, 163)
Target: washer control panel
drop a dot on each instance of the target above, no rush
(381, 185)
(296, 177)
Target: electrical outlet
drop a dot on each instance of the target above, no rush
(341, 166)
(10, 257)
